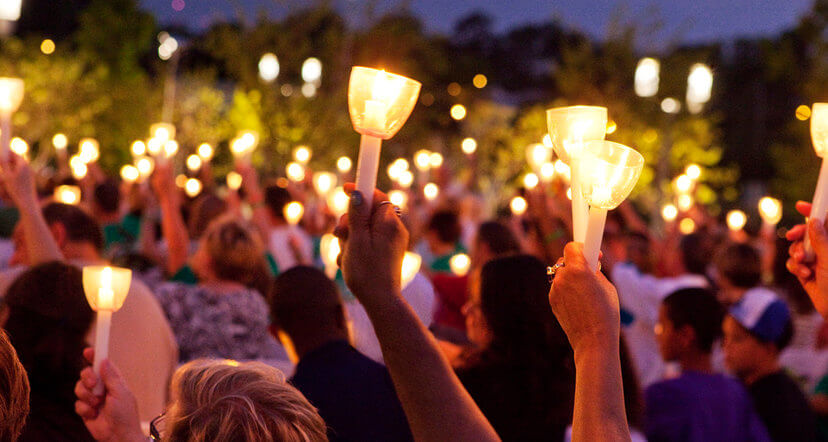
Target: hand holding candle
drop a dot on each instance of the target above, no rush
(106, 290)
(569, 129)
(819, 136)
(609, 171)
(379, 104)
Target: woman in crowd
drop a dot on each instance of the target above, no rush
(48, 319)
(212, 400)
(521, 371)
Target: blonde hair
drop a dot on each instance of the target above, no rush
(217, 400)
(237, 253)
(14, 392)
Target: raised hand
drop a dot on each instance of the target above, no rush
(813, 275)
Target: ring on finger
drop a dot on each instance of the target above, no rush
(553, 270)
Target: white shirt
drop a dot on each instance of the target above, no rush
(282, 250)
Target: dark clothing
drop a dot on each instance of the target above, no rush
(519, 406)
(699, 407)
(353, 393)
(783, 408)
(53, 419)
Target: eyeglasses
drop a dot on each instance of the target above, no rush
(157, 427)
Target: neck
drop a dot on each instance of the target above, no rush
(80, 251)
(765, 368)
(696, 361)
(312, 342)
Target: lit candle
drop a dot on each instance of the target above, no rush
(379, 104)
(67, 194)
(293, 212)
(130, 173)
(410, 267)
(770, 209)
(329, 249)
(11, 96)
(106, 289)
(819, 137)
(610, 171)
(323, 183)
(430, 191)
(569, 129)
(518, 206)
(460, 264)
(338, 202)
(736, 220)
(234, 180)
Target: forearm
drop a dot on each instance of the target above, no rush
(175, 233)
(436, 404)
(599, 395)
(40, 243)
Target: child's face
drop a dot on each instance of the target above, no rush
(741, 349)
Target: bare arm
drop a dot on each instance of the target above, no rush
(586, 306)
(172, 224)
(437, 406)
(19, 181)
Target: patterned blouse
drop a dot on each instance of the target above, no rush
(208, 324)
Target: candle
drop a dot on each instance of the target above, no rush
(11, 96)
(610, 171)
(106, 289)
(302, 154)
(89, 150)
(430, 191)
(192, 187)
(293, 212)
(669, 212)
(468, 146)
(398, 198)
(819, 137)
(193, 163)
(295, 171)
(338, 202)
(130, 173)
(67, 194)
(569, 128)
(460, 264)
(234, 180)
(205, 151)
(379, 104)
(324, 182)
(530, 180)
(329, 248)
(518, 206)
(736, 220)
(138, 148)
(770, 209)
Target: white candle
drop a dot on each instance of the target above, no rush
(368, 166)
(580, 209)
(5, 136)
(106, 299)
(819, 206)
(594, 236)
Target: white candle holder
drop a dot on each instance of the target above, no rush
(379, 104)
(609, 172)
(106, 290)
(569, 129)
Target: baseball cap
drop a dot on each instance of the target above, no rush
(763, 314)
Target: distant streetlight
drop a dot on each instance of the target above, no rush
(167, 46)
(647, 77)
(699, 87)
(269, 67)
(312, 70)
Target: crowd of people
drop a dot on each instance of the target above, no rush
(232, 330)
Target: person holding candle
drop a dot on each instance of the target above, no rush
(59, 232)
(47, 319)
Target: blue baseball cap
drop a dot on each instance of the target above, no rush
(763, 314)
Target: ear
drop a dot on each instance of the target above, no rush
(686, 336)
(59, 234)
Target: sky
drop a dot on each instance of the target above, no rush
(682, 21)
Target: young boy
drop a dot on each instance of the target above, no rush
(756, 330)
(699, 405)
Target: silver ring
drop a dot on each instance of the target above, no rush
(397, 210)
(553, 270)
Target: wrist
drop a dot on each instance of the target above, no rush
(597, 347)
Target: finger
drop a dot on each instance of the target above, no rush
(89, 354)
(85, 411)
(378, 196)
(796, 233)
(800, 271)
(804, 208)
(89, 378)
(574, 254)
(85, 394)
(113, 381)
(359, 215)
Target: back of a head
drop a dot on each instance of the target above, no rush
(14, 392)
(514, 301)
(304, 300)
(48, 321)
(206, 208)
(498, 238)
(108, 196)
(216, 400)
(80, 226)
(700, 310)
(695, 250)
(237, 253)
(276, 198)
(740, 264)
(446, 225)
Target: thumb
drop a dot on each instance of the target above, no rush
(574, 254)
(817, 235)
(359, 214)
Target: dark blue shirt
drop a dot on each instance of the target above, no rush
(353, 393)
(701, 407)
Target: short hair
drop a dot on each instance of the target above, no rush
(695, 250)
(108, 196)
(79, 225)
(14, 391)
(698, 309)
(229, 400)
(237, 253)
(206, 208)
(740, 264)
(446, 225)
(304, 296)
(276, 198)
(499, 238)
